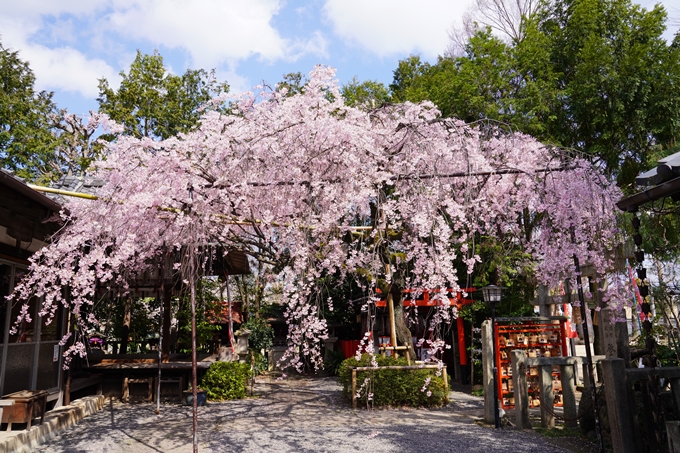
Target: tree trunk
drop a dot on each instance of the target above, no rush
(404, 336)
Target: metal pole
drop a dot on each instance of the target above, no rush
(161, 294)
(231, 320)
(194, 365)
(496, 415)
(160, 360)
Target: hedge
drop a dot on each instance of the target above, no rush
(226, 380)
(392, 387)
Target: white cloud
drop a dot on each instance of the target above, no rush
(60, 68)
(390, 27)
(67, 69)
(237, 83)
(25, 9)
(316, 45)
(213, 32)
(58, 38)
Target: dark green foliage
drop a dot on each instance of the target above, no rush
(666, 355)
(368, 94)
(144, 320)
(618, 77)
(154, 103)
(226, 380)
(294, 83)
(261, 338)
(261, 334)
(393, 387)
(593, 75)
(344, 313)
(259, 362)
(26, 141)
(207, 305)
(335, 359)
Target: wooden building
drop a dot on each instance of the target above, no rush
(31, 358)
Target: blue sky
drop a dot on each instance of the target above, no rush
(70, 44)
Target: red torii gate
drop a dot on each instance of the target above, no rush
(424, 300)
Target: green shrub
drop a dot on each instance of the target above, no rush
(393, 387)
(226, 380)
(335, 359)
(261, 334)
(261, 338)
(260, 363)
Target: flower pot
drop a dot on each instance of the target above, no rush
(201, 397)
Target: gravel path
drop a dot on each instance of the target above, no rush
(294, 415)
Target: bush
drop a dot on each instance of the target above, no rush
(261, 334)
(226, 380)
(261, 338)
(260, 363)
(393, 387)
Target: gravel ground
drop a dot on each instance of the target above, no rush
(294, 415)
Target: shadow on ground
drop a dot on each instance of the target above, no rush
(293, 415)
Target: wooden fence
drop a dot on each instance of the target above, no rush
(619, 384)
(520, 363)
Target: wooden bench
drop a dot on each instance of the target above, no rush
(145, 380)
(28, 404)
(85, 382)
(7, 407)
(178, 383)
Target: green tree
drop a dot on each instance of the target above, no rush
(367, 94)
(26, 141)
(619, 80)
(151, 102)
(75, 146)
(593, 75)
(293, 82)
(410, 80)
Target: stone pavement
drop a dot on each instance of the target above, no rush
(293, 415)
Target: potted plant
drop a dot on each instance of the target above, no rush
(201, 397)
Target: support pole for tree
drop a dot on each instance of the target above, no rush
(586, 339)
(67, 373)
(390, 308)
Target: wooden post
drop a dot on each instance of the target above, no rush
(354, 389)
(487, 371)
(519, 383)
(673, 432)
(569, 396)
(621, 422)
(393, 324)
(648, 407)
(67, 388)
(675, 391)
(547, 396)
(446, 383)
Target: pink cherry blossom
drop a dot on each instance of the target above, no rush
(287, 178)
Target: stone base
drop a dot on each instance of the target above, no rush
(274, 355)
(55, 422)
